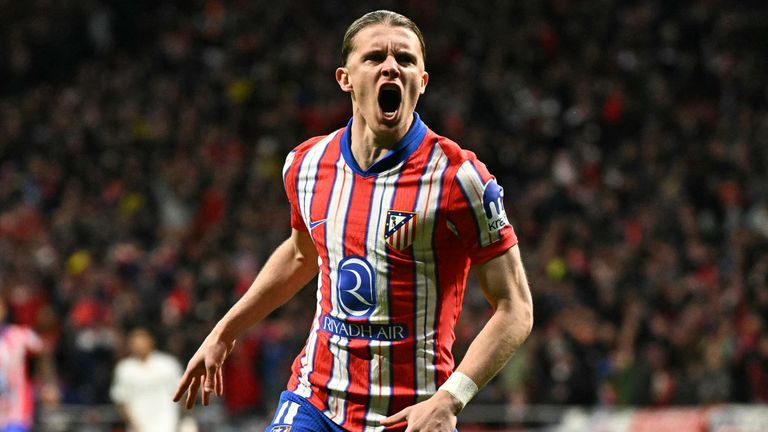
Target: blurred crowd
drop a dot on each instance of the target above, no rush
(141, 145)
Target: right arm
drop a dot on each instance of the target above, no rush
(290, 268)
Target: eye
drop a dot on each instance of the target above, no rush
(405, 59)
(374, 57)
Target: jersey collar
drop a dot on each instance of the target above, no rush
(407, 145)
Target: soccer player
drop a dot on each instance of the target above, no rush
(391, 215)
(16, 396)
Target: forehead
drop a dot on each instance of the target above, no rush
(140, 336)
(383, 36)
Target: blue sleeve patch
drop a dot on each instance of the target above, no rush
(493, 204)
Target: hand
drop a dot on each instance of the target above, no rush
(204, 368)
(436, 414)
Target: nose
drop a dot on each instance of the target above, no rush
(389, 67)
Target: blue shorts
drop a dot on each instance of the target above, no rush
(296, 414)
(14, 427)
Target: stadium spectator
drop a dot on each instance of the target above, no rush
(143, 383)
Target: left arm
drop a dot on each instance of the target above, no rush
(505, 286)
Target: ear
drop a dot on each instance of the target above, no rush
(342, 77)
(424, 81)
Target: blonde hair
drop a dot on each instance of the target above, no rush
(379, 17)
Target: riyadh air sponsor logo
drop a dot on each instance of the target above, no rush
(400, 229)
(493, 203)
(356, 290)
(368, 331)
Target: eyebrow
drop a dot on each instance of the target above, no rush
(398, 52)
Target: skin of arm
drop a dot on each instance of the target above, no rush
(505, 285)
(290, 267)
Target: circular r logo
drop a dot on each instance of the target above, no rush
(356, 287)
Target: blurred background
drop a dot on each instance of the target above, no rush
(141, 144)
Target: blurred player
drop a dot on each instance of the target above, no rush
(142, 383)
(391, 215)
(17, 403)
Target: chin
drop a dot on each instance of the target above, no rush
(391, 127)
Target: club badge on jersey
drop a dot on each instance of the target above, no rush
(400, 229)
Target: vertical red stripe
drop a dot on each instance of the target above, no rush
(355, 234)
(452, 269)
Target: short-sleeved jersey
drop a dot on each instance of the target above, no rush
(143, 386)
(395, 243)
(16, 398)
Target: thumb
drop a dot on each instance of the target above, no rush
(396, 418)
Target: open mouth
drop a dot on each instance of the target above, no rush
(389, 100)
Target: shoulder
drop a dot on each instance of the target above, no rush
(165, 359)
(20, 335)
(465, 168)
(308, 144)
(298, 152)
(456, 154)
(314, 141)
(126, 366)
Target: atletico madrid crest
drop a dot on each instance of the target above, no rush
(400, 229)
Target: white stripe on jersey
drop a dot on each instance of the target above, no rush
(430, 188)
(288, 163)
(339, 204)
(307, 176)
(289, 416)
(376, 253)
(280, 412)
(472, 184)
(305, 187)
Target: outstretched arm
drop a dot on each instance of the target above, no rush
(506, 287)
(291, 266)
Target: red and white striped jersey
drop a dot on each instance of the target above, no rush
(395, 243)
(16, 398)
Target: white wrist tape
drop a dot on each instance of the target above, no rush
(461, 387)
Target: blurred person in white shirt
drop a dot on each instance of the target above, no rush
(143, 384)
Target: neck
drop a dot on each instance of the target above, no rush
(368, 147)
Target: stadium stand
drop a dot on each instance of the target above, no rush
(141, 145)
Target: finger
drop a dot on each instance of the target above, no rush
(183, 384)
(220, 382)
(211, 372)
(396, 418)
(194, 386)
(205, 396)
